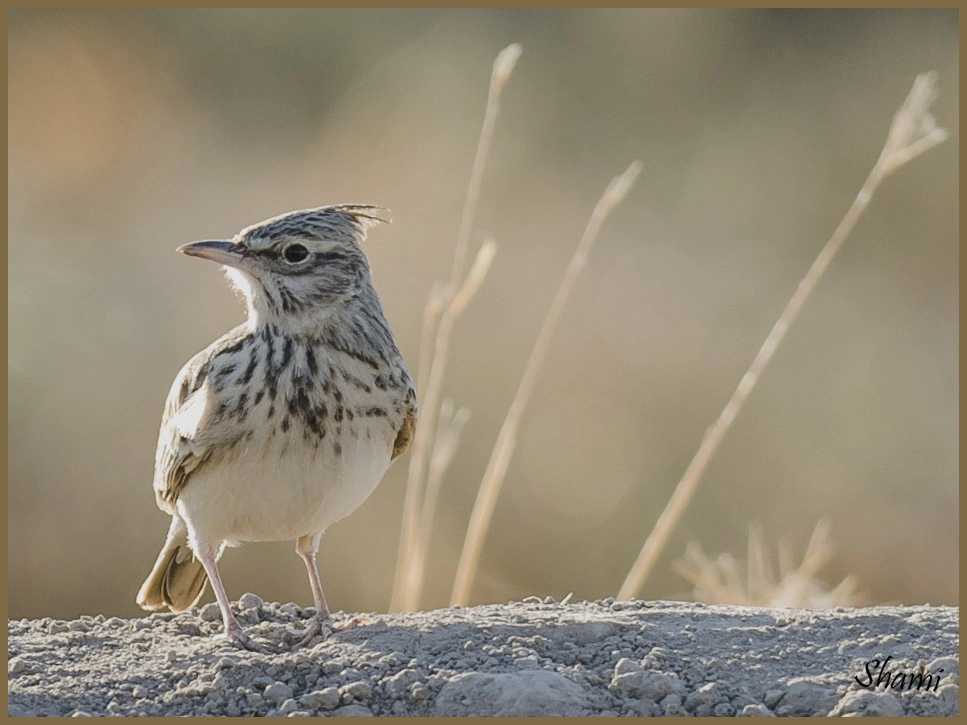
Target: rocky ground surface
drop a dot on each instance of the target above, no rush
(524, 658)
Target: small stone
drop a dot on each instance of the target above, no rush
(291, 609)
(808, 698)
(626, 666)
(358, 690)
(530, 662)
(868, 704)
(419, 692)
(171, 656)
(250, 601)
(288, 706)
(773, 697)
(756, 710)
(57, 627)
(16, 666)
(944, 666)
(80, 713)
(210, 613)
(225, 663)
(723, 709)
(139, 692)
(528, 693)
(78, 626)
(703, 700)
(740, 701)
(113, 707)
(277, 692)
(673, 700)
(326, 699)
(645, 684)
(400, 683)
(353, 711)
(645, 708)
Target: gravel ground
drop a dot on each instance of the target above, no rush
(524, 658)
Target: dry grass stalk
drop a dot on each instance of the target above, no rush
(913, 131)
(443, 307)
(796, 587)
(448, 428)
(493, 477)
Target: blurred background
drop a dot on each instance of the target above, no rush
(131, 132)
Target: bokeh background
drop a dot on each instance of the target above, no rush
(131, 132)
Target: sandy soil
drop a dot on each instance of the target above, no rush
(523, 658)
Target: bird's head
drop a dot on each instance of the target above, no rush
(292, 267)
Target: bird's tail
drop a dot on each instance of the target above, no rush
(178, 579)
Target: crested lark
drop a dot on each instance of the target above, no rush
(287, 423)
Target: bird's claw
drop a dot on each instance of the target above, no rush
(319, 627)
(324, 626)
(238, 638)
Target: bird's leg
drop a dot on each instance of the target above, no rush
(233, 630)
(306, 547)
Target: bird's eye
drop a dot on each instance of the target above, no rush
(295, 253)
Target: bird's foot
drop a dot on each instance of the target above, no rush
(318, 627)
(236, 636)
(324, 626)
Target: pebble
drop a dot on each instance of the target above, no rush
(326, 699)
(289, 706)
(868, 704)
(626, 666)
(756, 710)
(250, 601)
(358, 690)
(353, 711)
(225, 663)
(805, 698)
(210, 613)
(277, 692)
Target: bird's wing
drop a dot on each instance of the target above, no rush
(180, 449)
(188, 433)
(405, 434)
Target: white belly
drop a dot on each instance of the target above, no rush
(282, 490)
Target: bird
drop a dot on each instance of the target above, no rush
(285, 424)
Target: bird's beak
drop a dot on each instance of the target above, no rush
(218, 251)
